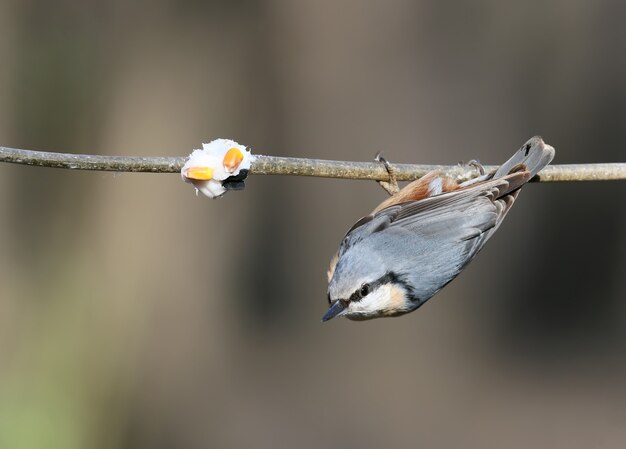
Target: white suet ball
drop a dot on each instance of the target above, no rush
(217, 167)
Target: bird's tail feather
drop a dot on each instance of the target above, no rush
(533, 156)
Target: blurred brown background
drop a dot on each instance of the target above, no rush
(134, 314)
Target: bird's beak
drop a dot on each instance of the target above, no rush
(334, 310)
(199, 173)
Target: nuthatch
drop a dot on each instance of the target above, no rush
(219, 166)
(418, 240)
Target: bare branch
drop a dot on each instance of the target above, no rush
(148, 164)
(272, 165)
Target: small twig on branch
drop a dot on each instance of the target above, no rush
(272, 165)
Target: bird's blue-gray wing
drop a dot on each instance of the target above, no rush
(430, 241)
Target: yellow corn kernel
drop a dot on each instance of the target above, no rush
(232, 159)
(199, 173)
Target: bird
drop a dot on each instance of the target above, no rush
(220, 165)
(419, 239)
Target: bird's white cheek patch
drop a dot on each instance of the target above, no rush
(219, 166)
(386, 300)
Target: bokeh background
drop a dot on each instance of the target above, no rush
(134, 314)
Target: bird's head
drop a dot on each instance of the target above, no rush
(361, 289)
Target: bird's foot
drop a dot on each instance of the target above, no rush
(391, 186)
(473, 172)
(477, 165)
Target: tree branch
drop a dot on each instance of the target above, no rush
(272, 165)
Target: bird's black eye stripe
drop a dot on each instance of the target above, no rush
(362, 291)
(329, 300)
(369, 287)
